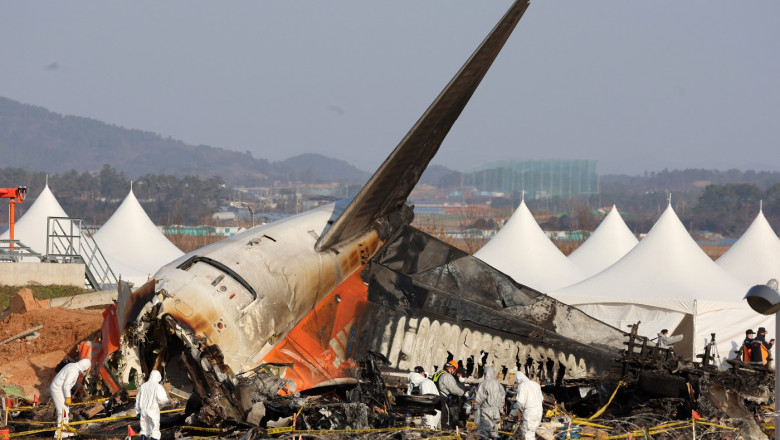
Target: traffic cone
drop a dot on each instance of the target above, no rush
(695, 414)
(130, 431)
(35, 400)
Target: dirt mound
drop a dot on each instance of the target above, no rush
(30, 363)
(62, 329)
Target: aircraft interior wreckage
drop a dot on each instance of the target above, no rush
(313, 303)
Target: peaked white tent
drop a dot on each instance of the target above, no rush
(524, 252)
(608, 243)
(667, 281)
(31, 228)
(133, 246)
(755, 257)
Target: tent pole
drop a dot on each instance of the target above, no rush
(693, 340)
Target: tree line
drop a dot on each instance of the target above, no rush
(726, 209)
(94, 197)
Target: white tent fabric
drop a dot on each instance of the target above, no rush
(608, 243)
(667, 281)
(523, 251)
(31, 228)
(134, 247)
(755, 257)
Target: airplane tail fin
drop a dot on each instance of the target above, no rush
(388, 189)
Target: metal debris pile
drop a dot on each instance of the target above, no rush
(651, 393)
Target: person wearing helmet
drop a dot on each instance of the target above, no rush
(60, 389)
(151, 396)
(451, 393)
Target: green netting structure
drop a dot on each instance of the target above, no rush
(538, 178)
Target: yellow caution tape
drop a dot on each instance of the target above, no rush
(286, 429)
(22, 434)
(583, 422)
(604, 408)
(715, 425)
(204, 429)
(30, 422)
(669, 427)
(69, 426)
(575, 420)
(108, 419)
(26, 408)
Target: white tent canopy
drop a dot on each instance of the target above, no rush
(31, 228)
(608, 243)
(134, 247)
(755, 257)
(667, 281)
(523, 251)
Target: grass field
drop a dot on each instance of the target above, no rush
(39, 292)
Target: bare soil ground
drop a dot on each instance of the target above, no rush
(30, 363)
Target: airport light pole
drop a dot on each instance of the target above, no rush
(249, 208)
(765, 300)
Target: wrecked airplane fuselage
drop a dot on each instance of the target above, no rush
(211, 318)
(430, 302)
(440, 304)
(222, 308)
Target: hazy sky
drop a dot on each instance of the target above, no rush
(634, 85)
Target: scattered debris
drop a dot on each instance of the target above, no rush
(22, 334)
(310, 326)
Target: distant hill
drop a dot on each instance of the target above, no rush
(434, 174)
(324, 168)
(685, 180)
(36, 139)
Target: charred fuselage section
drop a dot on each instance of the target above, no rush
(430, 302)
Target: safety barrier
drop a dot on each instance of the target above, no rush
(69, 426)
(646, 432)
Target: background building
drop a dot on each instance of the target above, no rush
(538, 178)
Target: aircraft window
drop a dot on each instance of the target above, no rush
(216, 264)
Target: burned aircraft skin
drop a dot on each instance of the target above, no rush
(429, 302)
(215, 313)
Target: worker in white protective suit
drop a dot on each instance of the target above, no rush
(489, 404)
(426, 387)
(60, 389)
(529, 402)
(151, 396)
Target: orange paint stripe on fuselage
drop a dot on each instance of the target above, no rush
(321, 346)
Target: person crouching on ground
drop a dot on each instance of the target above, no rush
(60, 389)
(151, 396)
